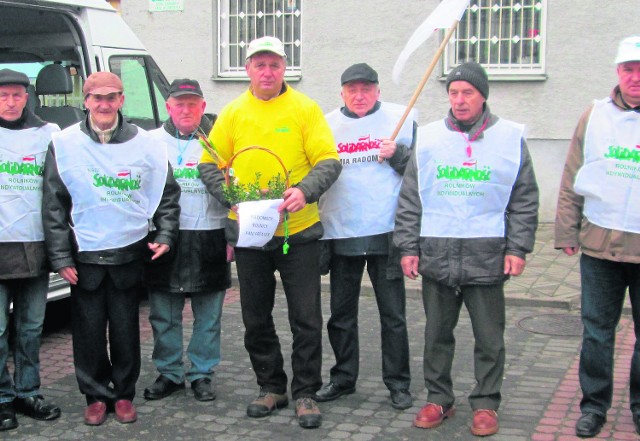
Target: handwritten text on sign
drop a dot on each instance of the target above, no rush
(258, 222)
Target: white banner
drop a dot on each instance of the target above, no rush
(445, 14)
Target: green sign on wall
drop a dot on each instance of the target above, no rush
(166, 5)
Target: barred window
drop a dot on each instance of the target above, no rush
(506, 36)
(240, 21)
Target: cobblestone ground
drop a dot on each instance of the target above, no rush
(540, 392)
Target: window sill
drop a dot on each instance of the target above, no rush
(510, 77)
(245, 79)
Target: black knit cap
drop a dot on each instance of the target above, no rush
(473, 73)
(8, 76)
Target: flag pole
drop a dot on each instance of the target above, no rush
(426, 76)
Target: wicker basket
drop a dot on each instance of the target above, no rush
(227, 180)
(229, 165)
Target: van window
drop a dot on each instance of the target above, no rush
(142, 82)
(55, 93)
(32, 69)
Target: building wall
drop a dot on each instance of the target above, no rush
(581, 43)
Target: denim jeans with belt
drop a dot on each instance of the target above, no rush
(604, 286)
(29, 304)
(204, 346)
(342, 327)
(300, 275)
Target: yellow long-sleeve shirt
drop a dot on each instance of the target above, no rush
(291, 125)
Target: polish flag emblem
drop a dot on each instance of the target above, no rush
(470, 163)
(30, 158)
(124, 173)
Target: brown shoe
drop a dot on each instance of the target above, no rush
(485, 422)
(125, 412)
(266, 403)
(432, 415)
(95, 413)
(308, 413)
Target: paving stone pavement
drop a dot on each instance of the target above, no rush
(540, 391)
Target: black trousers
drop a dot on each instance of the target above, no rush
(486, 307)
(300, 275)
(106, 340)
(342, 327)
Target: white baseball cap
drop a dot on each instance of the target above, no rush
(266, 44)
(628, 50)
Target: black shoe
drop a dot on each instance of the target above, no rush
(203, 389)
(589, 425)
(163, 387)
(36, 408)
(636, 421)
(401, 399)
(331, 391)
(8, 418)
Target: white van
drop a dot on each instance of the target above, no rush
(80, 37)
(58, 43)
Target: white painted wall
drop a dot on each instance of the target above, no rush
(582, 37)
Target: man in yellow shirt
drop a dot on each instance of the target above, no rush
(272, 115)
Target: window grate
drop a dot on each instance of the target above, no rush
(240, 21)
(506, 36)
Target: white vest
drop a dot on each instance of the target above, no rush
(609, 179)
(115, 188)
(362, 201)
(461, 196)
(22, 154)
(198, 209)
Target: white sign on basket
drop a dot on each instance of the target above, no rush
(258, 221)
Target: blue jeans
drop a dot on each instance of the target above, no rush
(342, 327)
(604, 285)
(29, 303)
(204, 347)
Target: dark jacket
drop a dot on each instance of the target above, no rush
(125, 265)
(455, 261)
(23, 259)
(198, 262)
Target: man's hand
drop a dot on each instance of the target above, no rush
(158, 249)
(294, 200)
(387, 148)
(70, 274)
(231, 253)
(409, 266)
(570, 251)
(513, 265)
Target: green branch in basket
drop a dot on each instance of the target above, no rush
(236, 192)
(204, 142)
